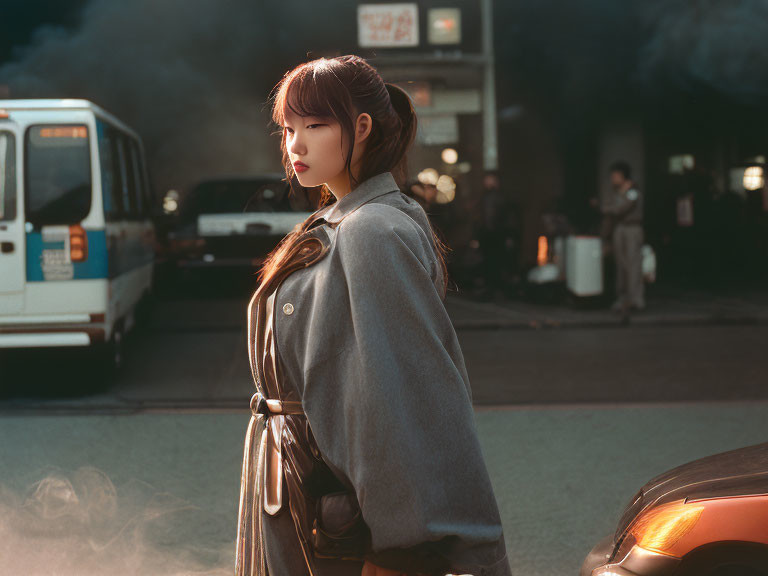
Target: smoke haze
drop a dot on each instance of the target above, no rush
(188, 75)
(706, 46)
(78, 523)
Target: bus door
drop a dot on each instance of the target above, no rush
(12, 249)
(56, 201)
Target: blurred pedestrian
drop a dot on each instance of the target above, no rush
(625, 207)
(491, 234)
(424, 194)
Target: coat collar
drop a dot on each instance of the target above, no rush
(367, 190)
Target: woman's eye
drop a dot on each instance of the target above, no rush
(290, 131)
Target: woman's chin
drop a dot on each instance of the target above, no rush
(306, 181)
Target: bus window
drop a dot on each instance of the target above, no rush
(58, 174)
(7, 176)
(111, 187)
(129, 207)
(137, 186)
(148, 192)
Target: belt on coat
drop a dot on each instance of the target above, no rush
(273, 410)
(261, 486)
(261, 481)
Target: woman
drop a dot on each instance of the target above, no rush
(350, 340)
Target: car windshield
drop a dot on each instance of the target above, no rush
(241, 196)
(58, 174)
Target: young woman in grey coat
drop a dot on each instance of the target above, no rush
(362, 391)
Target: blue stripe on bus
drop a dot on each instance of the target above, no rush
(95, 266)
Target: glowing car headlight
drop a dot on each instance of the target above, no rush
(660, 528)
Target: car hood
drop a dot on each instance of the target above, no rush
(273, 223)
(737, 472)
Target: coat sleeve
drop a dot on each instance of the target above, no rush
(392, 408)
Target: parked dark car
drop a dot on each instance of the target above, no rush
(235, 222)
(705, 518)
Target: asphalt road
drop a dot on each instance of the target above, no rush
(143, 477)
(194, 356)
(156, 493)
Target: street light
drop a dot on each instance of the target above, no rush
(450, 156)
(171, 202)
(753, 178)
(428, 176)
(446, 189)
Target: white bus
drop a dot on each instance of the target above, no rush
(76, 236)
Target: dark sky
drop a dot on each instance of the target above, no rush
(545, 48)
(20, 18)
(206, 67)
(564, 53)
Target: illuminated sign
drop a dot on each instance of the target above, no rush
(680, 163)
(64, 132)
(59, 136)
(444, 26)
(387, 25)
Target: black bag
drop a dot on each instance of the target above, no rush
(327, 513)
(339, 530)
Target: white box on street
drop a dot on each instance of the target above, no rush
(584, 265)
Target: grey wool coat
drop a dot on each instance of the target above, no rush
(363, 340)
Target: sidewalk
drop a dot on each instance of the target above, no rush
(671, 307)
(664, 307)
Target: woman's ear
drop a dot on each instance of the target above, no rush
(363, 126)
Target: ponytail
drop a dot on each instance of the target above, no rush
(403, 108)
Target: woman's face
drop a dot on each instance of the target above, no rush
(316, 142)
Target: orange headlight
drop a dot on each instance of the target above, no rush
(660, 528)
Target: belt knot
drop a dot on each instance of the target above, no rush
(259, 405)
(271, 407)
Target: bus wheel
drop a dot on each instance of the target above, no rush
(117, 349)
(108, 359)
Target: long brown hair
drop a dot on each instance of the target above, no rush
(340, 88)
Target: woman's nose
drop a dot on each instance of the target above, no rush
(296, 145)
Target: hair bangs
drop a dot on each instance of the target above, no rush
(312, 90)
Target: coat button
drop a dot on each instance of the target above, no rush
(288, 308)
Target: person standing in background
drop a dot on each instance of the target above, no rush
(625, 208)
(491, 220)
